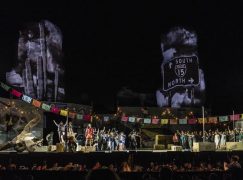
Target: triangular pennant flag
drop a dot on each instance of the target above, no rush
(16, 93)
(5, 87)
(36, 103)
(131, 119)
(182, 121)
(235, 117)
(213, 120)
(124, 118)
(164, 121)
(55, 110)
(223, 118)
(173, 121)
(26, 98)
(155, 121)
(106, 118)
(46, 107)
(79, 116)
(71, 115)
(147, 120)
(192, 121)
(63, 112)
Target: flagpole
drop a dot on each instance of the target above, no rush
(203, 124)
(234, 124)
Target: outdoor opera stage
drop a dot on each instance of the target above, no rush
(141, 157)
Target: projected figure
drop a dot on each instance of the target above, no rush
(182, 80)
(39, 70)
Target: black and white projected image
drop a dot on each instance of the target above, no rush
(183, 83)
(39, 70)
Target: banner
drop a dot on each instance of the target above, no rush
(79, 116)
(5, 87)
(147, 120)
(26, 99)
(87, 117)
(106, 118)
(212, 120)
(223, 118)
(182, 121)
(36, 103)
(192, 121)
(164, 121)
(16, 93)
(71, 115)
(46, 107)
(173, 121)
(63, 112)
(235, 117)
(55, 110)
(200, 120)
(131, 119)
(124, 118)
(155, 121)
(139, 120)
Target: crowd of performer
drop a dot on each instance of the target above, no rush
(187, 138)
(100, 139)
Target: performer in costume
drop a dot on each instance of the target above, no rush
(61, 130)
(89, 135)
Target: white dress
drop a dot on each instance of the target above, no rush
(217, 140)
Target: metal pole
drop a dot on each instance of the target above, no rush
(234, 124)
(203, 124)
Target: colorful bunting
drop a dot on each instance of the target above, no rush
(55, 110)
(106, 118)
(26, 99)
(16, 93)
(173, 121)
(223, 118)
(164, 121)
(36, 103)
(192, 121)
(79, 116)
(46, 107)
(63, 112)
(139, 120)
(87, 117)
(5, 87)
(200, 120)
(147, 120)
(182, 121)
(71, 115)
(124, 118)
(131, 119)
(212, 120)
(155, 121)
(235, 117)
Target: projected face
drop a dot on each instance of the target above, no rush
(182, 80)
(39, 70)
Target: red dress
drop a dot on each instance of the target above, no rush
(89, 133)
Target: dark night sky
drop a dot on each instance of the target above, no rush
(108, 44)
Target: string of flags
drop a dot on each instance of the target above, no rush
(44, 106)
(130, 119)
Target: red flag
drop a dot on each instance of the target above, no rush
(124, 118)
(16, 93)
(87, 117)
(55, 110)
